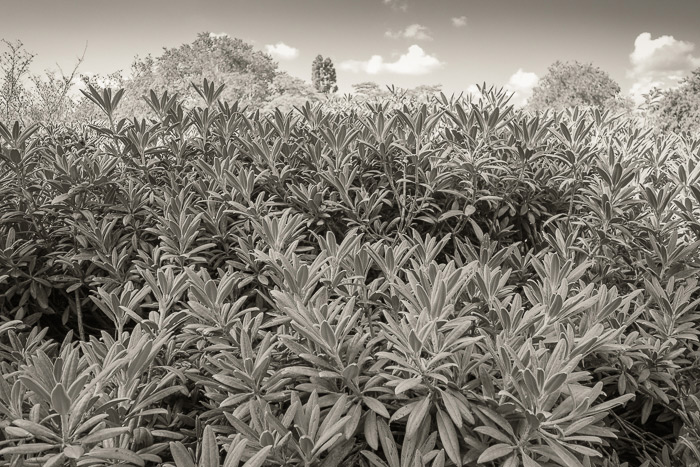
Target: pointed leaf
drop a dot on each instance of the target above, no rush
(210, 450)
(448, 436)
(495, 452)
(258, 459)
(181, 455)
(119, 454)
(417, 416)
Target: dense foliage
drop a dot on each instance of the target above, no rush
(249, 75)
(569, 84)
(677, 109)
(252, 78)
(26, 96)
(323, 74)
(443, 284)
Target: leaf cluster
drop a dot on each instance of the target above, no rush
(437, 284)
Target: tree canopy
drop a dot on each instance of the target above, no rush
(323, 75)
(677, 109)
(248, 74)
(569, 84)
(14, 67)
(289, 92)
(368, 89)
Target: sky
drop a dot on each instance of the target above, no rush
(455, 43)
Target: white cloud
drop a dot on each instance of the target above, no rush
(282, 51)
(414, 31)
(473, 91)
(521, 84)
(413, 62)
(643, 85)
(663, 54)
(459, 21)
(660, 62)
(400, 5)
(216, 35)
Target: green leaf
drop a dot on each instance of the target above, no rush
(370, 430)
(160, 395)
(329, 433)
(578, 424)
(73, 452)
(494, 433)
(338, 454)
(374, 459)
(495, 452)
(37, 430)
(59, 400)
(566, 457)
(403, 412)
(103, 434)
(529, 462)
(416, 417)
(210, 449)
(235, 452)
(452, 408)
(376, 406)
(451, 213)
(448, 436)
(554, 383)
(388, 444)
(36, 388)
(407, 384)
(118, 454)
(512, 461)
(33, 448)
(15, 432)
(56, 460)
(258, 459)
(439, 460)
(181, 455)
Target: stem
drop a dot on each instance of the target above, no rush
(403, 196)
(370, 321)
(79, 312)
(78, 308)
(571, 199)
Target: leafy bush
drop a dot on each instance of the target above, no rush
(572, 84)
(438, 284)
(676, 109)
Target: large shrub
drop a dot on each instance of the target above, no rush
(570, 84)
(438, 284)
(677, 109)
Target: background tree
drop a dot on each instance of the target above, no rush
(250, 77)
(29, 97)
(288, 92)
(52, 102)
(421, 94)
(424, 93)
(569, 84)
(247, 73)
(368, 90)
(677, 109)
(323, 75)
(15, 98)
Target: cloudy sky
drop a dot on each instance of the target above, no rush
(456, 43)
